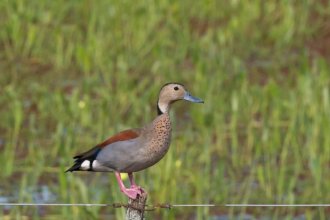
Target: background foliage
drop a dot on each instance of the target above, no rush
(74, 72)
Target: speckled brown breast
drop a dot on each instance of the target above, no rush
(159, 139)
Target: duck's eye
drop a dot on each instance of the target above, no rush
(176, 88)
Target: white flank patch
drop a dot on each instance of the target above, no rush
(85, 165)
(96, 165)
(99, 167)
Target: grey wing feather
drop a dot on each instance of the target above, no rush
(121, 156)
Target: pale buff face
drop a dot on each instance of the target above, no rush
(168, 94)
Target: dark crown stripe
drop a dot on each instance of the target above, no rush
(172, 83)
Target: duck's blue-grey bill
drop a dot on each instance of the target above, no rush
(191, 98)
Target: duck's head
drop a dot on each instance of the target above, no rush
(172, 92)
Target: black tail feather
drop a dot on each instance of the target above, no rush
(89, 155)
(75, 167)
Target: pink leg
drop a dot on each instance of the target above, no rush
(131, 180)
(133, 184)
(131, 192)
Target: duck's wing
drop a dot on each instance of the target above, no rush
(84, 161)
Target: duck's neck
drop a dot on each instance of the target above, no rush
(163, 107)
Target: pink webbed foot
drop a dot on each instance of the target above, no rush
(139, 188)
(133, 184)
(132, 193)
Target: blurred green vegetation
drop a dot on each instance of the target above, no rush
(74, 72)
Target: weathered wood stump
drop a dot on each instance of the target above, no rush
(136, 207)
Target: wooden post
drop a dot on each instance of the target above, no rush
(136, 207)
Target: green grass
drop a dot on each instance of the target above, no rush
(74, 72)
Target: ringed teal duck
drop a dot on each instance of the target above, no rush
(134, 150)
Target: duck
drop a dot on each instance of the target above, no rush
(136, 149)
